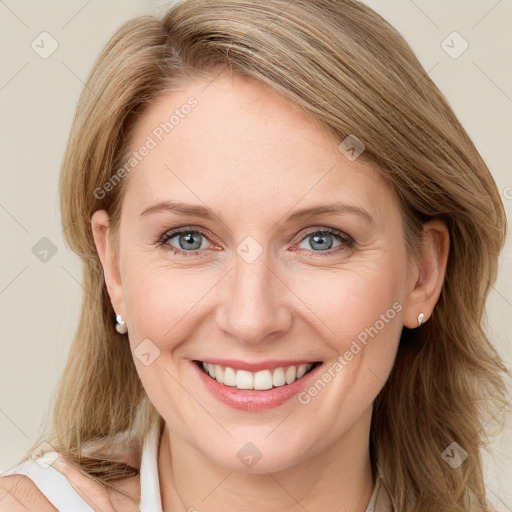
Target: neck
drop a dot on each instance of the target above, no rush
(337, 479)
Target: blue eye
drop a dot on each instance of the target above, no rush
(190, 241)
(322, 240)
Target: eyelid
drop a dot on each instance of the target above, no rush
(323, 229)
(176, 231)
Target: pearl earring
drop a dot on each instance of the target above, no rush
(421, 316)
(121, 326)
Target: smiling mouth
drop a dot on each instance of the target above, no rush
(258, 381)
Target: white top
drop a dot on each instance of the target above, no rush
(57, 489)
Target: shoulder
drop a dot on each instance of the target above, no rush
(18, 493)
(57, 489)
(52, 484)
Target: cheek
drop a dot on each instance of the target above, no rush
(167, 305)
(162, 307)
(349, 301)
(363, 310)
(160, 297)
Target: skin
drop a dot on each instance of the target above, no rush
(254, 159)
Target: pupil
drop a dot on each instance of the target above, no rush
(318, 239)
(189, 239)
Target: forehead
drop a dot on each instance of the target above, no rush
(230, 140)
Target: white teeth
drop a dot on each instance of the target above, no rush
(229, 377)
(244, 379)
(219, 373)
(264, 379)
(301, 370)
(278, 377)
(291, 373)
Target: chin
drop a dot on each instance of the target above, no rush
(257, 456)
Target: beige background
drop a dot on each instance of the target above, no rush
(40, 301)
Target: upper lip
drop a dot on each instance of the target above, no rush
(257, 366)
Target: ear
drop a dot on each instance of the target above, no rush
(100, 224)
(427, 275)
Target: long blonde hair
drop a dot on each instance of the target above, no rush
(349, 69)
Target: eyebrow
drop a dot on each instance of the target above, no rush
(180, 208)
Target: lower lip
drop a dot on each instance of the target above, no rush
(251, 400)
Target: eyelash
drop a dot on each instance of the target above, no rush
(347, 241)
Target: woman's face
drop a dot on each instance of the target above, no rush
(252, 281)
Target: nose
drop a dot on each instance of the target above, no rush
(254, 305)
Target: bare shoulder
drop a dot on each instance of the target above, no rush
(19, 493)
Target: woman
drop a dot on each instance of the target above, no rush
(224, 359)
